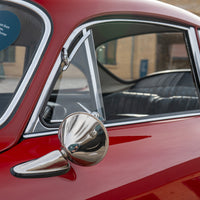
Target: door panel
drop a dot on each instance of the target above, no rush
(140, 158)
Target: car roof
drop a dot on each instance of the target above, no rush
(78, 11)
(67, 15)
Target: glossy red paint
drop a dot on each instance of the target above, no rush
(67, 15)
(128, 169)
(142, 158)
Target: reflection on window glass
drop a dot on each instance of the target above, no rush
(72, 79)
(11, 73)
(137, 56)
(106, 53)
(8, 54)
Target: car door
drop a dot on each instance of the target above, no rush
(139, 65)
(143, 81)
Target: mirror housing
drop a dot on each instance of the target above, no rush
(84, 141)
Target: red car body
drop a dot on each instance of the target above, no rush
(149, 160)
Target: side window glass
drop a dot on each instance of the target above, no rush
(142, 55)
(21, 32)
(144, 73)
(74, 90)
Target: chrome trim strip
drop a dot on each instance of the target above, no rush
(155, 119)
(67, 44)
(35, 116)
(80, 42)
(92, 73)
(35, 60)
(84, 26)
(195, 50)
(33, 135)
(175, 117)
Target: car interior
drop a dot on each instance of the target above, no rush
(161, 92)
(164, 92)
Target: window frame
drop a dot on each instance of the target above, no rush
(192, 43)
(86, 42)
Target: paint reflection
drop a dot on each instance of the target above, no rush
(113, 140)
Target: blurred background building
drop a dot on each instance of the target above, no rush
(192, 6)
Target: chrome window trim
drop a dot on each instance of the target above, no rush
(92, 74)
(195, 50)
(35, 116)
(34, 135)
(78, 45)
(36, 58)
(153, 120)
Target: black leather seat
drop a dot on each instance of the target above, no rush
(134, 103)
(157, 94)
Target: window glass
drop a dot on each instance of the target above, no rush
(106, 53)
(11, 68)
(8, 54)
(150, 72)
(74, 90)
(21, 31)
(136, 56)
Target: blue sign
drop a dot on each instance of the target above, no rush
(9, 28)
(143, 68)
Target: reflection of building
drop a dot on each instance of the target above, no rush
(12, 61)
(139, 55)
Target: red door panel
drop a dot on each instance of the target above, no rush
(140, 158)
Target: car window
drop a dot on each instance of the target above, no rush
(145, 54)
(74, 90)
(21, 32)
(139, 71)
(145, 70)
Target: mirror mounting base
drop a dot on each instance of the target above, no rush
(52, 164)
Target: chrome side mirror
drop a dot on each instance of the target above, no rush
(83, 138)
(84, 141)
